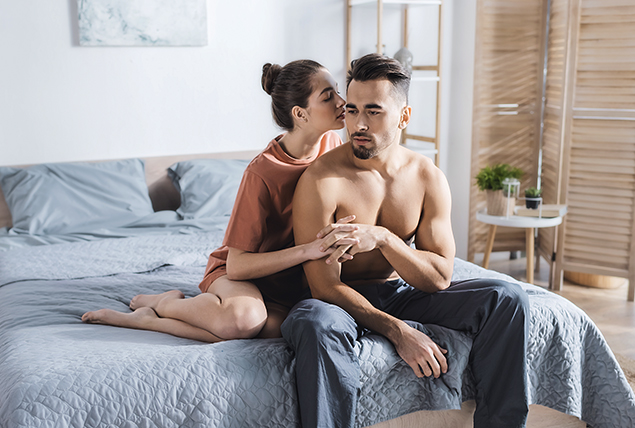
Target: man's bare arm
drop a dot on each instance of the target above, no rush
(428, 267)
(312, 207)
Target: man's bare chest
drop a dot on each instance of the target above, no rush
(397, 205)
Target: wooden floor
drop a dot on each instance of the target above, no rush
(608, 308)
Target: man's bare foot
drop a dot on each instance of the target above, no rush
(142, 318)
(152, 300)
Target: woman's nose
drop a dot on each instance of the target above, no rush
(340, 101)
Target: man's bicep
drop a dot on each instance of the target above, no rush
(435, 229)
(310, 211)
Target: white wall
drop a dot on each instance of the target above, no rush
(456, 154)
(63, 102)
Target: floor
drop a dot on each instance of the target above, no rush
(608, 308)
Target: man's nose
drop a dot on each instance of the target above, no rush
(361, 124)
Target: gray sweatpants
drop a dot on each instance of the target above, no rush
(495, 312)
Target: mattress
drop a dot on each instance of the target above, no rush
(56, 371)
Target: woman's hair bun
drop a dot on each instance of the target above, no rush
(270, 73)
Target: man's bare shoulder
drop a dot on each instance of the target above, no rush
(330, 164)
(424, 165)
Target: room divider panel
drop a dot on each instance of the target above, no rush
(586, 138)
(507, 103)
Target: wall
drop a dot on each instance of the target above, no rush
(61, 102)
(458, 114)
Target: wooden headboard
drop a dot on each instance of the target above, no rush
(162, 192)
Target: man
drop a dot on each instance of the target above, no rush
(397, 196)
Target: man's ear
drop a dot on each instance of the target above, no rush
(299, 114)
(405, 117)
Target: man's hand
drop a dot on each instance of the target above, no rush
(424, 357)
(332, 237)
(368, 238)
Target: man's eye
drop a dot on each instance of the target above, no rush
(373, 113)
(328, 98)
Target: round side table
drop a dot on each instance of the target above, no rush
(527, 223)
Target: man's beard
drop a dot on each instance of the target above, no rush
(363, 153)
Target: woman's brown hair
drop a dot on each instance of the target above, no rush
(289, 86)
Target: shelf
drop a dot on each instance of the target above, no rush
(401, 2)
(425, 79)
(428, 146)
(419, 147)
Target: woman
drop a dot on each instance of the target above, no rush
(253, 280)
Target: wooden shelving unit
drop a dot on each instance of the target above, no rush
(428, 145)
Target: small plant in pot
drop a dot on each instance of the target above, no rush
(533, 198)
(490, 179)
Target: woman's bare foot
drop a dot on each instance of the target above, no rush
(152, 300)
(142, 318)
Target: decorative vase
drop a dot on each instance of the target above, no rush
(404, 56)
(498, 204)
(532, 203)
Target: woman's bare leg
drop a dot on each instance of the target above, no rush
(146, 319)
(275, 316)
(228, 310)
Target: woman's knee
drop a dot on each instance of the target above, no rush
(242, 320)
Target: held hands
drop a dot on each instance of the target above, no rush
(367, 238)
(424, 357)
(332, 237)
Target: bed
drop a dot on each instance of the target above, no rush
(80, 237)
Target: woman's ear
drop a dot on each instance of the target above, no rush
(405, 117)
(299, 114)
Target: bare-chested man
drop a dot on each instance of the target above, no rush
(399, 197)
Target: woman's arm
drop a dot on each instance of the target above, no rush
(243, 265)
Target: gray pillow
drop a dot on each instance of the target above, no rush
(208, 187)
(75, 197)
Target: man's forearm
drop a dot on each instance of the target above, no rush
(425, 270)
(363, 311)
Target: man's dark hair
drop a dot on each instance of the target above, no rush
(377, 67)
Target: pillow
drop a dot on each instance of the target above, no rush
(208, 187)
(75, 197)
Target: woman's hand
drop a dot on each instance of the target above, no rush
(331, 237)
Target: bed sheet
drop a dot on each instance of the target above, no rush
(56, 371)
(157, 223)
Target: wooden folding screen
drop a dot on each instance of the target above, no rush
(587, 143)
(560, 59)
(507, 99)
(598, 167)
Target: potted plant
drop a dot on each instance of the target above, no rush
(532, 197)
(490, 179)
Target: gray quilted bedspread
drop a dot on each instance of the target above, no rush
(57, 372)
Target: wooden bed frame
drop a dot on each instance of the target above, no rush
(165, 196)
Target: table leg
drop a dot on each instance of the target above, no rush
(489, 245)
(529, 242)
